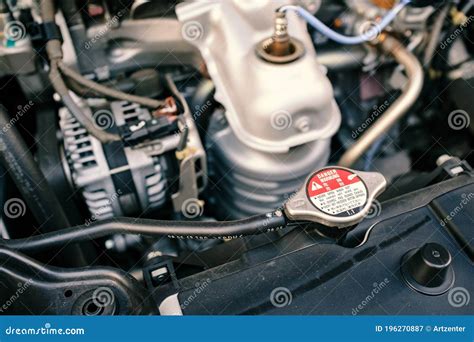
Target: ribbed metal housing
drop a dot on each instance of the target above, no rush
(90, 172)
(245, 182)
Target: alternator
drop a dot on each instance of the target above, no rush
(116, 180)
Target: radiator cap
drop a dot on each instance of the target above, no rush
(336, 197)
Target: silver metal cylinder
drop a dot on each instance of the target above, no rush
(246, 182)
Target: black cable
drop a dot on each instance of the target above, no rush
(442, 53)
(21, 166)
(183, 140)
(174, 229)
(435, 34)
(30, 181)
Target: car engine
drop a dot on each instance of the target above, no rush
(236, 157)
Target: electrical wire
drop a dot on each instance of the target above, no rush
(367, 36)
(85, 121)
(106, 91)
(58, 68)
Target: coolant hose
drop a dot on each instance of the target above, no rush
(398, 109)
(174, 229)
(30, 181)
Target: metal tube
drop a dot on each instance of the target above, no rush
(396, 111)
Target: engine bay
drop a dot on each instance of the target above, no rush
(236, 157)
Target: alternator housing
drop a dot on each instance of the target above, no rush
(115, 180)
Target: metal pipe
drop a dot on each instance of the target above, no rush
(337, 59)
(398, 109)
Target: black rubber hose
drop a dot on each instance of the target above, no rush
(20, 164)
(173, 229)
(27, 176)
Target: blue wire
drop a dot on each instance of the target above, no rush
(375, 30)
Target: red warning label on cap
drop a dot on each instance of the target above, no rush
(337, 192)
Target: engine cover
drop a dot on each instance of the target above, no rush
(304, 274)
